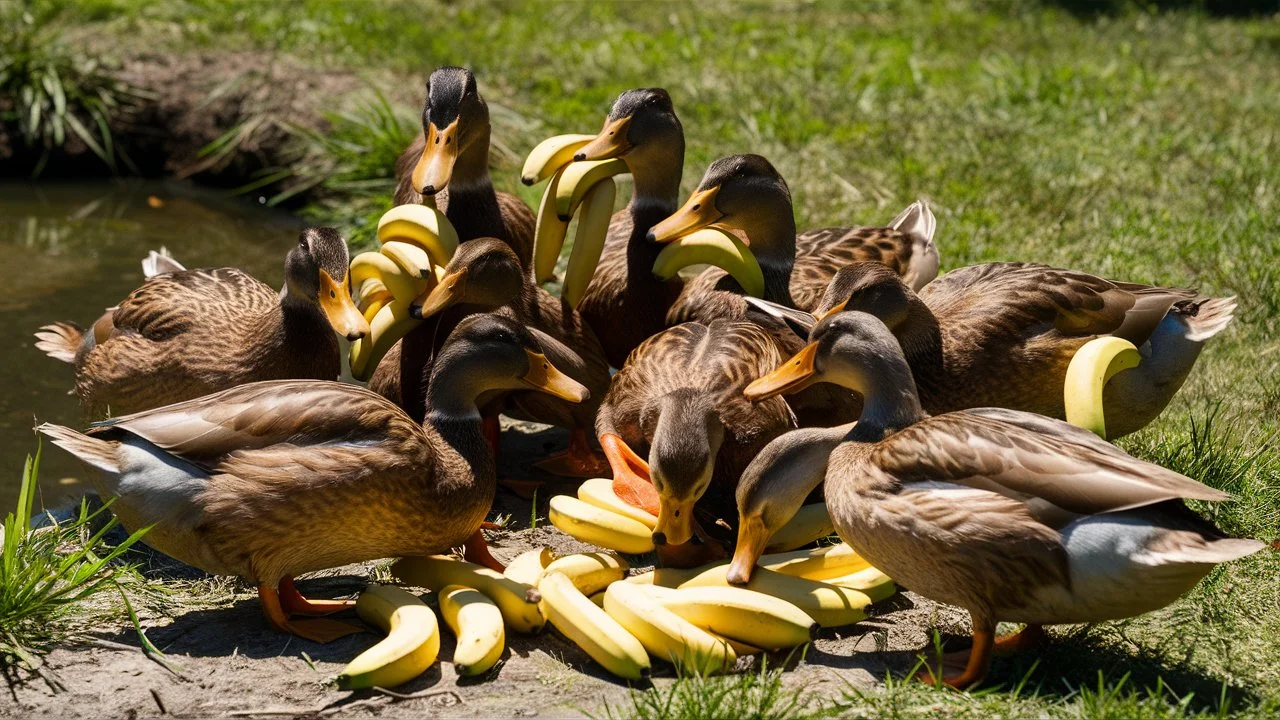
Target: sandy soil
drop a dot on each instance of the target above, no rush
(232, 664)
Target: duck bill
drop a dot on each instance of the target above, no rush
(610, 143)
(448, 291)
(544, 376)
(675, 521)
(435, 167)
(339, 309)
(794, 375)
(697, 213)
(837, 308)
(752, 537)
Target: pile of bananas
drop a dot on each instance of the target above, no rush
(598, 516)
(417, 242)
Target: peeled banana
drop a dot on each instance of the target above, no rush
(391, 323)
(424, 226)
(588, 240)
(811, 523)
(411, 645)
(550, 155)
(599, 492)
(604, 528)
(477, 624)
(517, 601)
(1090, 370)
(665, 634)
(527, 567)
(829, 605)
(746, 616)
(716, 247)
(589, 572)
(579, 177)
(592, 629)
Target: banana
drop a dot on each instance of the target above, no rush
(371, 296)
(816, 564)
(517, 601)
(743, 615)
(528, 566)
(390, 324)
(669, 577)
(606, 529)
(411, 645)
(665, 634)
(810, 523)
(590, 572)
(548, 235)
(423, 226)
(591, 628)
(374, 265)
(375, 306)
(829, 605)
(599, 492)
(411, 258)
(588, 240)
(579, 177)
(597, 599)
(1090, 370)
(550, 155)
(716, 247)
(477, 623)
(869, 581)
(739, 649)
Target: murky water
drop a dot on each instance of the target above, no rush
(67, 252)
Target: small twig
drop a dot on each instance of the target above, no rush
(457, 699)
(159, 703)
(345, 706)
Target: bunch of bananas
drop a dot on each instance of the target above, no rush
(598, 516)
(417, 242)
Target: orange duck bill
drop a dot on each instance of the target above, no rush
(792, 376)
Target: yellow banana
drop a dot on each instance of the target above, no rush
(669, 577)
(829, 605)
(810, 523)
(517, 601)
(588, 241)
(1090, 370)
(411, 644)
(548, 235)
(716, 247)
(816, 564)
(527, 567)
(740, 649)
(606, 529)
(550, 155)
(579, 177)
(411, 258)
(477, 624)
(869, 581)
(599, 492)
(739, 614)
(592, 629)
(390, 324)
(375, 305)
(665, 634)
(376, 266)
(590, 572)
(423, 226)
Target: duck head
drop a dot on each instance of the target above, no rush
(485, 272)
(315, 272)
(455, 123)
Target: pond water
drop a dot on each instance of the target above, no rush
(67, 252)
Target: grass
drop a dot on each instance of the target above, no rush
(1136, 144)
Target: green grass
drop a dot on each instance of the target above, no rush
(1141, 146)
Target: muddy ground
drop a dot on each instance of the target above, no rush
(231, 664)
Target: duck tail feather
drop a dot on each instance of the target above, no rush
(98, 453)
(1206, 317)
(60, 340)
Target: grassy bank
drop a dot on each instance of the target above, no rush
(1138, 146)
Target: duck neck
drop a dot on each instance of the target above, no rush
(921, 340)
(890, 401)
(472, 202)
(453, 422)
(773, 242)
(688, 432)
(296, 323)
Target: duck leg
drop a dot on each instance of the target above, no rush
(976, 664)
(631, 480)
(1028, 638)
(580, 460)
(476, 550)
(321, 630)
(294, 603)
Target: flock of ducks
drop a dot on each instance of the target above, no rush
(928, 411)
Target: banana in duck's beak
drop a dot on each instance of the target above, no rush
(338, 308)
(752, 536)
(675, 521)
(544, 376)
(698, 212)
(610, 143)
(435, 167)
(794, 375)
(449, 291)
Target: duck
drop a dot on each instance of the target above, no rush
(679, 400)
(1012, 516)
(187, 333)
(625, 304)
(1003, 334)
(272, 479)
(485, 275)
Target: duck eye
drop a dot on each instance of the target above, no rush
(697, 206)
(333, 294)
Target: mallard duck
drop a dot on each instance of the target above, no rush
(449, 162)
(678, 399)
(485, 275)
(1012, 516)
(272, 479)
(624, 303)
(1003, 334)
(188, 333)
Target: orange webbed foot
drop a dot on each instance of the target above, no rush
(578, 461)
(294, 603)
(631, 481)
(975, 662)
(476, 550)
(1028, 638)
(321, 630)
